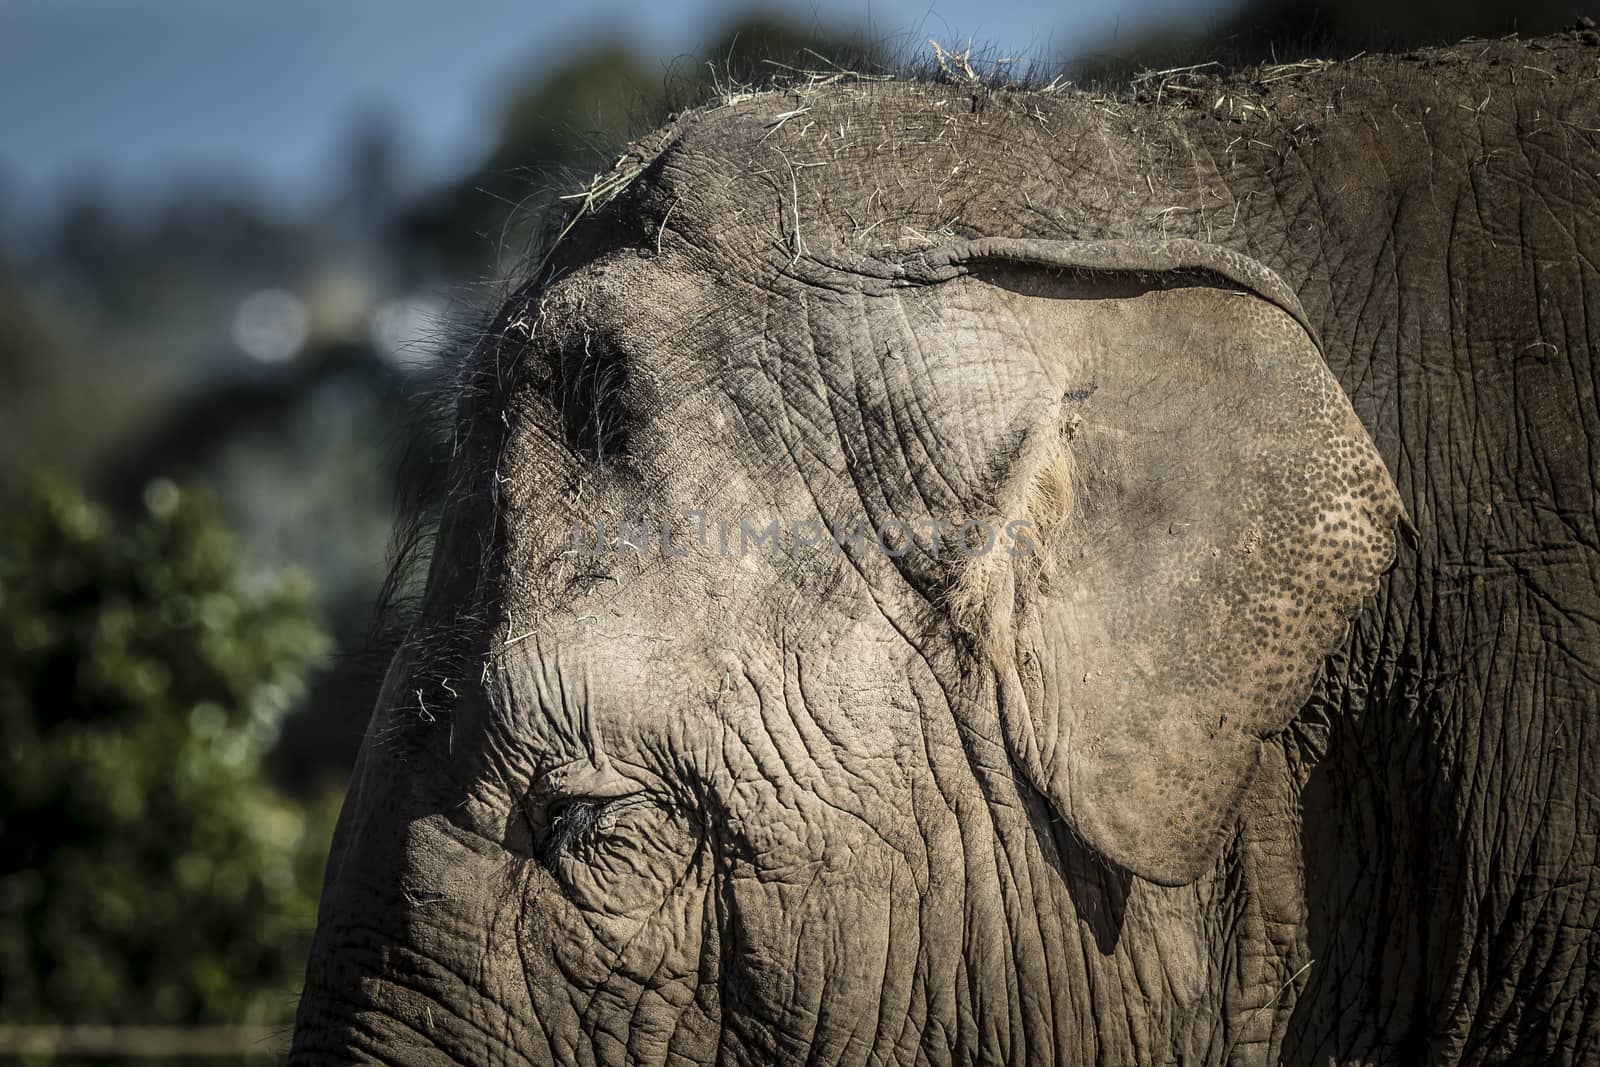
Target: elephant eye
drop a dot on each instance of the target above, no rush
(614, 853)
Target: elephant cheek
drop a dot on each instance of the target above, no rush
(418, 951)
(657, 965)
(825, 953)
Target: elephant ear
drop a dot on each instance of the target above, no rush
(1210, 516)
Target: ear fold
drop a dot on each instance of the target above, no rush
(1222, 519)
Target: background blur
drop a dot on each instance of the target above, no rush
(233, 239)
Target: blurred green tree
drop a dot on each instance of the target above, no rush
(562, 122)
(148, 874)
(563, 125)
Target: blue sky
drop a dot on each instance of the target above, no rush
(137, 92)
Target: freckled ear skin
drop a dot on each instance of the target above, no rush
(1228, 518)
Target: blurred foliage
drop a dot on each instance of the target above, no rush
(47, 381)
(147, 872)
(24, 337)
(465, 223)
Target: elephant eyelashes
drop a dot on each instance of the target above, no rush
(581, 826)
(568, 822)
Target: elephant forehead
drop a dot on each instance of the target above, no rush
(618, 360)
(624, 407)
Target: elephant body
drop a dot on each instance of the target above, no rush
(1265, 737)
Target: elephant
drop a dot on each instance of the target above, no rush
(936, 572)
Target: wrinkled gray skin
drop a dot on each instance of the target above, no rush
(1141, 796)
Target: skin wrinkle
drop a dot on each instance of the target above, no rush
(840, 407)
(910, 352)
(792, 442)
(903, 459)
(425, 1035)
(910, 423)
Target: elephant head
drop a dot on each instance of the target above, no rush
(861, 603)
